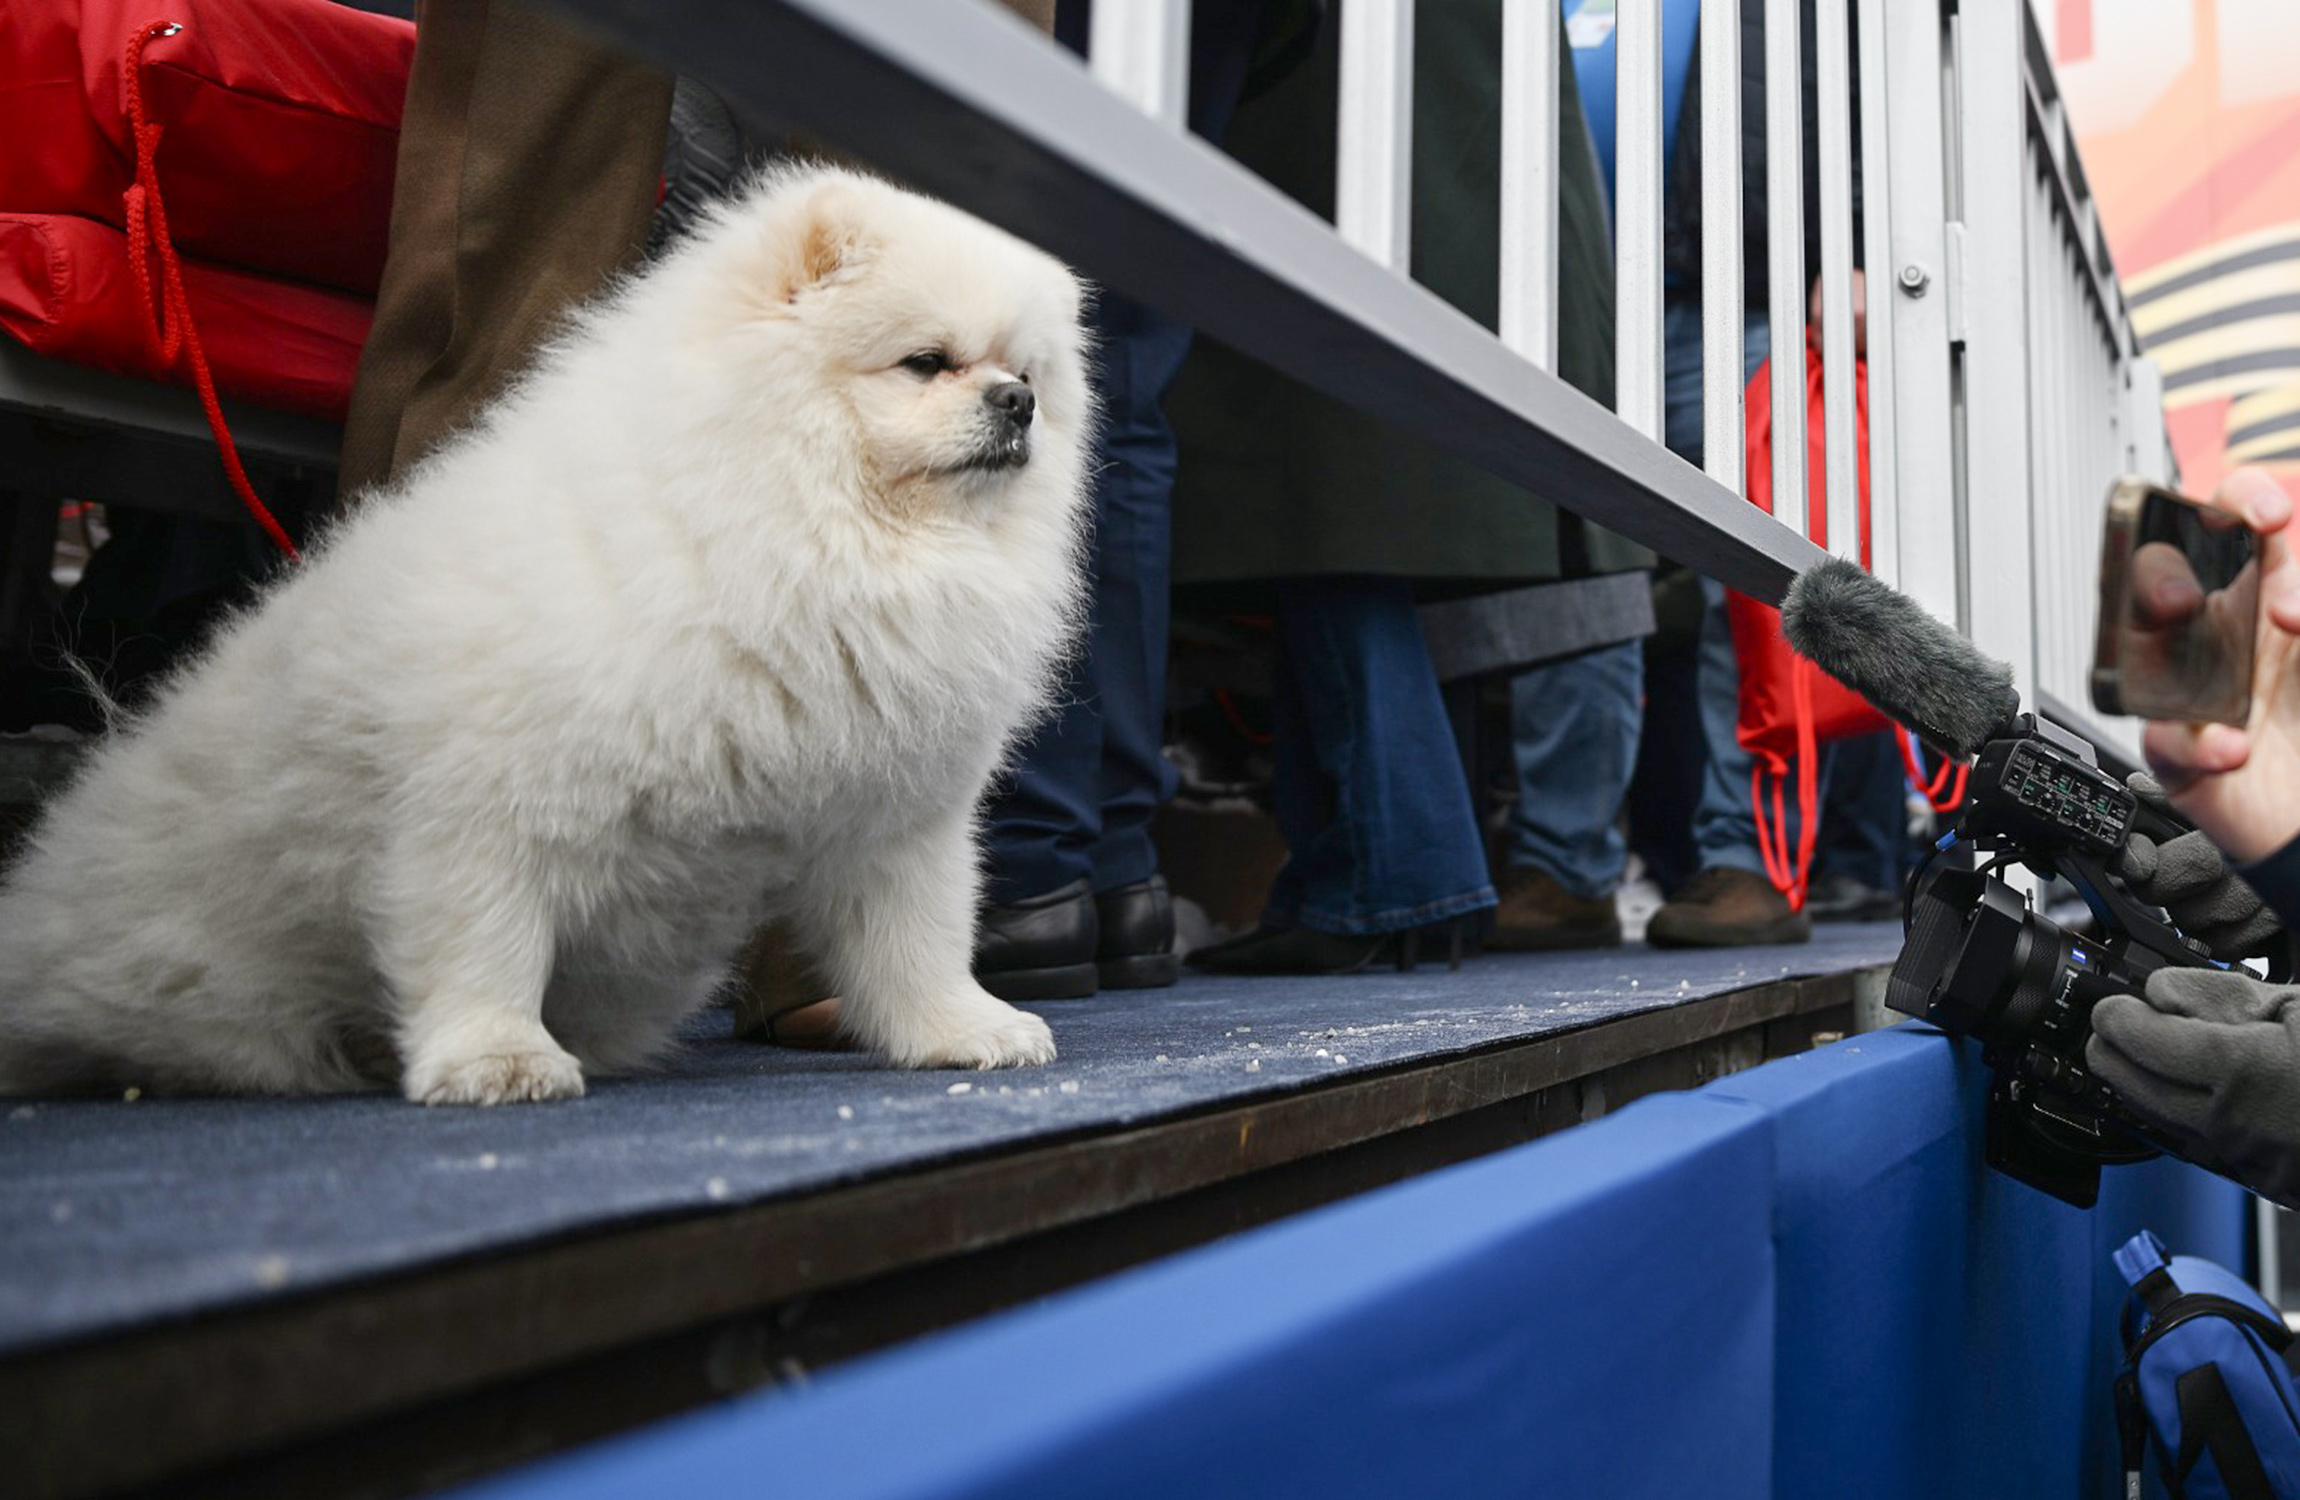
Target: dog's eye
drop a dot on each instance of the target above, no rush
(928, 363)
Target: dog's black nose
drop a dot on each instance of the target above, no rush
(1013, 401)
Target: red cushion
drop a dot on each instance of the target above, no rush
(66, 291)
(280, 119)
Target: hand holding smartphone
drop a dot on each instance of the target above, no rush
(2179, 608)
(2239, 782)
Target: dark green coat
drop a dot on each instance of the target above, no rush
(1276, 480)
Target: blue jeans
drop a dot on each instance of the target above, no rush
(1079, 800)
(1367, 784)
(1724, 827)
(1573, 732)
(1864, 812)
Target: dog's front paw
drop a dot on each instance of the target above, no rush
(981, 1032)
(497, 1078)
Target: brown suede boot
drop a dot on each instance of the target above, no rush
(1724, 907)
(1537, 914)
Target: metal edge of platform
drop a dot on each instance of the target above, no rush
(231, 1389)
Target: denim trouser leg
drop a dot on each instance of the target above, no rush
(1133, 548)
(1724, 824)
(1724, 827)
(1078, 801)
(1864, 816)
(1573, 730)
(1368, 786)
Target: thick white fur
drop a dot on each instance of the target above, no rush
(698, 625)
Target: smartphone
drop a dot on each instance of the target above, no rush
(2179, 608)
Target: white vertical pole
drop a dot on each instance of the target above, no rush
(1637, 354)
(1993, 153)
(1916, 279)
(1724, 428)
(1373, 185)
(1140, 51)
(1530, 34)
(1877, 209)
(1785, 255)
(1832, 45)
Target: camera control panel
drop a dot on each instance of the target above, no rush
(2044, 792)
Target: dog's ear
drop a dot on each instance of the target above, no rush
(825, 238)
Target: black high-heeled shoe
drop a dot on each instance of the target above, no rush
(1305, 950)
(1289, 950)
(1409, 943)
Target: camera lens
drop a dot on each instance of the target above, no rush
(1980, 963)
(2040, 974)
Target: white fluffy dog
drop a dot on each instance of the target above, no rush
(727, 611)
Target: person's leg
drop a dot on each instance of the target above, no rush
(1573, 732)
(1126, 669)
(1681, 379)
(1725, 823)
(1575, 727)
(1303, 798)
(1381, 832)
(1666, 785)
(1068, 830)
(1673, 748)
(1731, 900)
(1073, 820)
(1723, 829)
(1405, 819)
(528, 164)
(1859, 854)
(1142, 351)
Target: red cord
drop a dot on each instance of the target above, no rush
(1245, 731)
(171, 327)
(1791, 871)
(1941, 782)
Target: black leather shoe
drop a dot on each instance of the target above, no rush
(1041, 948)
(1136, 950)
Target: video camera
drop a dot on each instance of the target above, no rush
(1980, 962)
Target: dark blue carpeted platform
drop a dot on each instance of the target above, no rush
(114, 1214)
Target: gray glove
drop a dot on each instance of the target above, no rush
(2212, 1059)
(2189, 878)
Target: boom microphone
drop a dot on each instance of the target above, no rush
(1880, 643)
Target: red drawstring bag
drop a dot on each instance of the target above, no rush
(1789, 707)
(280, 124)
(282, 120)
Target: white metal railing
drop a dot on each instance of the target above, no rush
(1530, 58)
(1722, 415)
(2018, 387)
(1637, 151)
(2004, 386)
